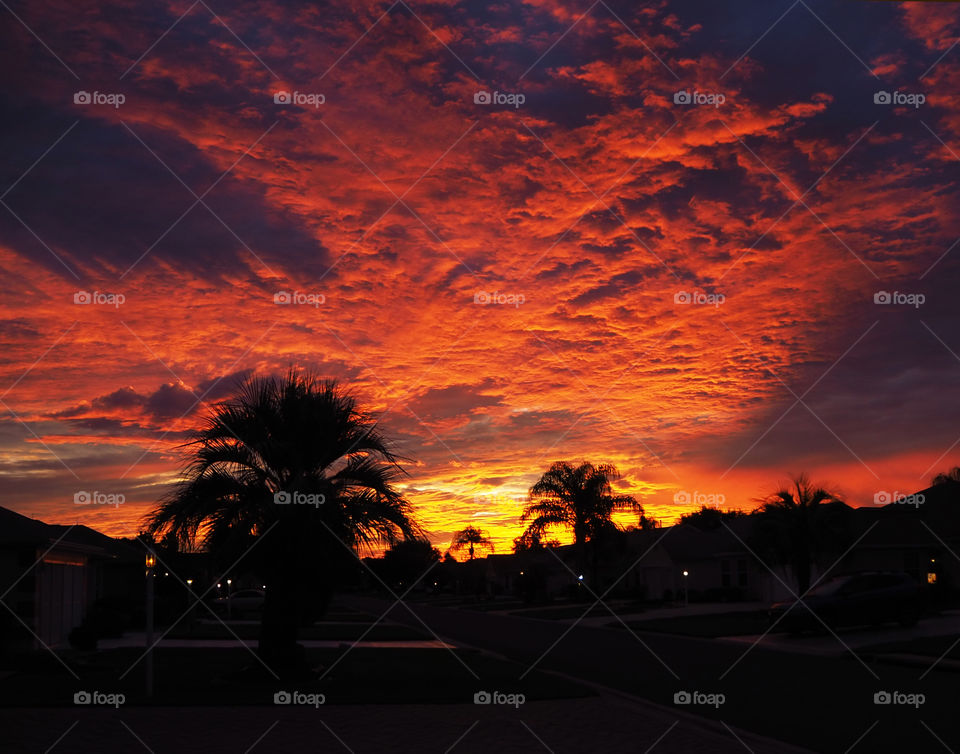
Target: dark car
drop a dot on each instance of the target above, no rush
(854, 600)
(241, 604)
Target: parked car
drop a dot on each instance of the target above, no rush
(240, 604)
(858, 599)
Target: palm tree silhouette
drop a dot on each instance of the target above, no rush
(796, 523)
(471, 538)
(580, 498)
(292, 477)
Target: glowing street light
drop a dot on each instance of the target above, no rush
(686, 592)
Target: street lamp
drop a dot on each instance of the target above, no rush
(229, 601)
(686, 592)
(151, 563)
(190, 609)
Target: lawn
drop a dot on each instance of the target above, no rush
(329, 631)
(235, 677)
(576, 609)
(745, 623)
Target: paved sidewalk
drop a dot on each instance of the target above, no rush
(592, 724)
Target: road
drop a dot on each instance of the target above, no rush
(822, 703)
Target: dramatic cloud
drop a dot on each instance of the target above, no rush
(708, 244)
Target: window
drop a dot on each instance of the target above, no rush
(743, 573)
(911, 563)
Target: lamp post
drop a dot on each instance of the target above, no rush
(151, 563)
(229, 601)
(190, 611)
(686, 592)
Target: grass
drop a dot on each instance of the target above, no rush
(321, 631)
(576, 609)
(711, 625)
(216, 677)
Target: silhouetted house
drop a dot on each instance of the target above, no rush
(920, 538)
(50, 576)
(722, 564)
(718, 563)
(531, 575)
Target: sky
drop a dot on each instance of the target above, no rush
(714, 246)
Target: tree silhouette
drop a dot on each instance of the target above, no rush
(708, 518)
(798, 522)
(531, 541)
(470, 538)
(290, 476)
(947, 477)
(579, 498)
(408, 561)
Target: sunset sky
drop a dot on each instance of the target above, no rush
(506, 283)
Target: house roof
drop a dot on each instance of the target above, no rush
(16, 529)
(19, 530)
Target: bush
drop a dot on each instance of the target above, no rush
(107, 622)
(83, 638)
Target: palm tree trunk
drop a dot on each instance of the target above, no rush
(801, 569)
(594, 566)
(279, 627)
(580, 546)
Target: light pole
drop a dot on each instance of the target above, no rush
(229, 601)
(151, 563)
(686, 592)
(190, 611)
